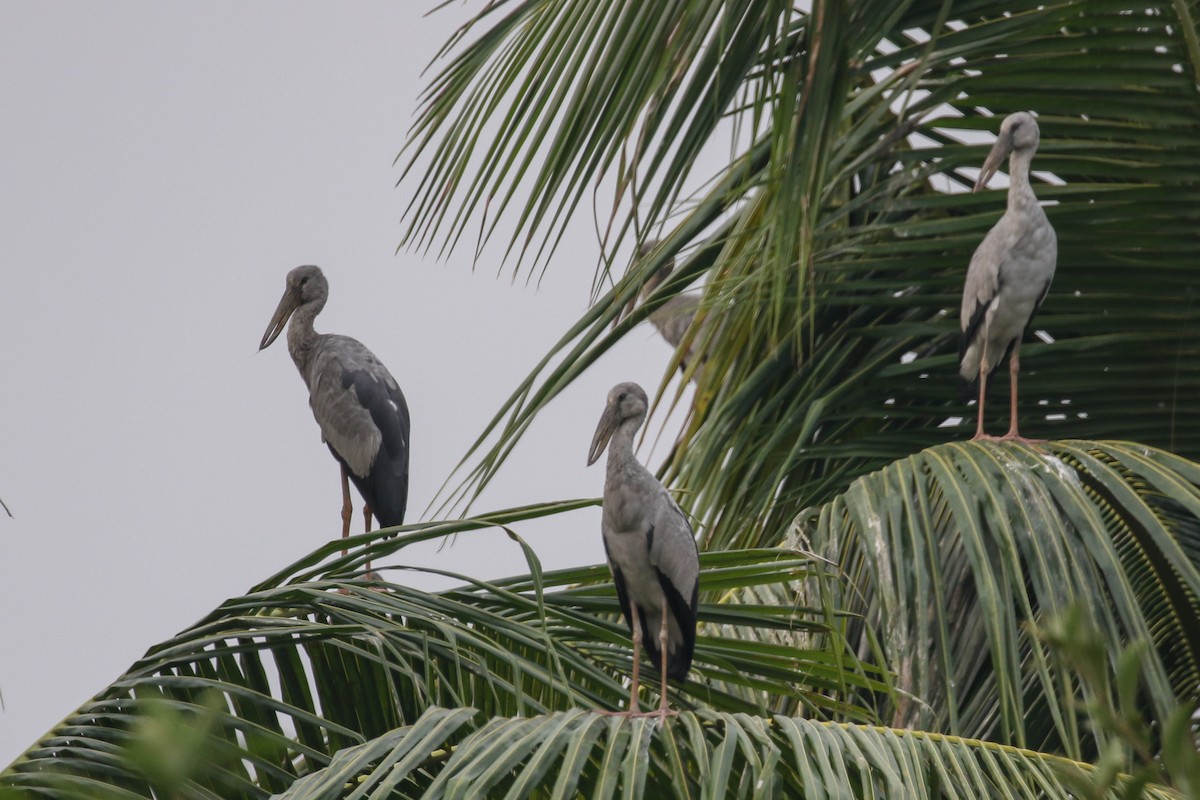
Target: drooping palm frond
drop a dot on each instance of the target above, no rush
(453, 754)
(950, 556)
(348, 691)
(833, 244)
(314, 661)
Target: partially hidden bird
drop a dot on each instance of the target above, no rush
(1010, 272)
(673, 318)
(357, 403)
(650, 547)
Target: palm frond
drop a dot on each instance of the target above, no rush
(315, 661)
(951, 554)
(834, 242)
(449, 754)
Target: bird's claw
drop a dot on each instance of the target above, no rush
(1036, 444)
(661, 713)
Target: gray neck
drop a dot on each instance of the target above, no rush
(301, 336)
(620, 447)
(1020, 191)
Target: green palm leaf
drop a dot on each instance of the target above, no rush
(951, 554)
(834, 242)
(315, 661)
(705, 754)
(948, 555)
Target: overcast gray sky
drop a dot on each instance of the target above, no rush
(162, 166)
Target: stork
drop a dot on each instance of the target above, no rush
(650, 547)
(356, 401)
(674, 317)
(1010, 272)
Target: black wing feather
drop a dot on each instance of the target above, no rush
(684, 612)
(969, 390)
(385, 487)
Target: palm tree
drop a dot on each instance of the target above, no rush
(875, 594)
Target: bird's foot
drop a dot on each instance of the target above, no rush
(1013, 436)
(980, 436)
(661, 713)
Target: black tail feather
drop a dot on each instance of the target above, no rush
(969, 390)
(679, 662)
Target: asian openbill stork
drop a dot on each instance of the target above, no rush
(356, 401)
(673, 318)
(651, 550)
(1010, 272)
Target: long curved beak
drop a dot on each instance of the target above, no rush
(1000, 151)
(287, 304)
(604, 432)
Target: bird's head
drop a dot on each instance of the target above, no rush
(626, 402)
(1018, 133)
(304, 285)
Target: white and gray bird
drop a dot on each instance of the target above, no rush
(674, 317)
(356, 401)
(651, 550)
(1010, 272)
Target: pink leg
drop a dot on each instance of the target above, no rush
(663, 637)
(983, 376)
(347, 512)
(984, 369)
(1014, 368)
(347, 509)
(663, 711)
(367, 529)
(637, 659)
(632, 710)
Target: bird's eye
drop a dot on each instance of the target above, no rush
(621, 397)
(304, 280)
